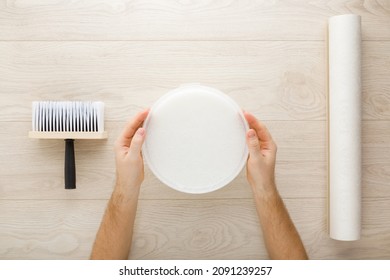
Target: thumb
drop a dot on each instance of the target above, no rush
(136, 143)
(253, 144)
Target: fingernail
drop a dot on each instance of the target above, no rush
(141, 131)
(251, 134)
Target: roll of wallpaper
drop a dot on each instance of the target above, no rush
(344, 127)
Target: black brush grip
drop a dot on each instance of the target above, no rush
(70, 165)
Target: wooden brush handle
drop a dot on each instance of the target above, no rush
(70, 165)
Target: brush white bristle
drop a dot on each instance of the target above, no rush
(67, 116)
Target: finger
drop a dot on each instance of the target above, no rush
(136, 143)
(131, 127)
(260, 128)
(253, 143)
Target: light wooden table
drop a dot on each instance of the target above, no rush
(267, 55)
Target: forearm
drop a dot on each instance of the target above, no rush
(280, 235)
(113, 240)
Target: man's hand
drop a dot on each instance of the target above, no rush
(113, 240)
(129, 162)
(280, 235)
(262, 155)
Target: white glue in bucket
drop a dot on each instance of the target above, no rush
(195, 139)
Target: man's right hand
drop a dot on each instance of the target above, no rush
(262, 156)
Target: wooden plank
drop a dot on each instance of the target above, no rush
(185, 20)
(190, 229)
(33, 169)
(375, 81)
(276, 80)
(309, 218)
(201, 229)
(285, 79)
(40, 229)
(310, 221)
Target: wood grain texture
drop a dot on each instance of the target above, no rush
(301, 164)
(208, 229)
(276, 80)
(185, 20)
(285, 78)
(269, 56)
